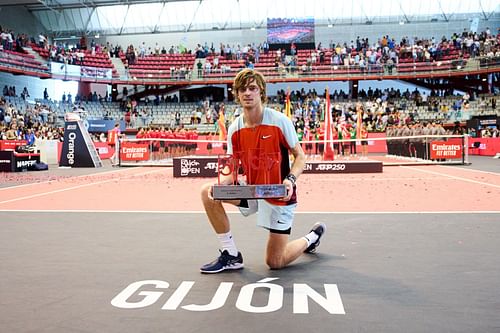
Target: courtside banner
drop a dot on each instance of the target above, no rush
(11, 144)
(446, 149)
(95, 72)
(134, 151)
(99, 125)
(203, 166)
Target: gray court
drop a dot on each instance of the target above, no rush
(393, 272)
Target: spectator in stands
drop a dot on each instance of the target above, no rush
(44, 112)
(199, 66)
(25, 94)
(11, 134)
(3, 35)
(389, 65)
(7, 118)
(145, 117)
(41, 40)
(29, 136)
(45, 94)
(208, 67)
(177, 118)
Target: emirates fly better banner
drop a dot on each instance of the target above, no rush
(446, 149)
(134, 151)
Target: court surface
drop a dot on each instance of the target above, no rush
(414, 249)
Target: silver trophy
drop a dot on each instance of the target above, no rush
(256, 166)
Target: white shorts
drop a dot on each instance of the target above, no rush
(271, 217)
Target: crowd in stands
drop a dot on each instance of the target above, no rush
(37, 122)
(380, 109)
(12, 42)
(386, 54)
(361, 53)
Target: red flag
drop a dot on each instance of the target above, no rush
(288, 106)
(328, 153)
(222, 126)
(359, 121)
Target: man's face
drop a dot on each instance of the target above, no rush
(249, 96)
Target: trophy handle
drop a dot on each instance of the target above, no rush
(226, 167)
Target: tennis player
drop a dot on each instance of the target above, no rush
(270, 132)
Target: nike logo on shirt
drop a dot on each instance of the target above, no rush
(266, 136)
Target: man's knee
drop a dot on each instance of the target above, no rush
(205, 190)
(275, 262)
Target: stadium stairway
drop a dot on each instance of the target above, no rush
(472, 64)
(37, 56)
(120, 68)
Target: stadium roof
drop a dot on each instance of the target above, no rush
(113, 17)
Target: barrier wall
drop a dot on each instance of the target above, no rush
(484, 146)
(49, 151)
(11, 144)
(204, 166)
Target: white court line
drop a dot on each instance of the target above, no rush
(63, 177)
(74, 187)
(237, 212)
(450, 176)
(470, 170)
(378, 179)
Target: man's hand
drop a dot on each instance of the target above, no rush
(289, 189)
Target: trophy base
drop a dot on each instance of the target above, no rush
(233, 192)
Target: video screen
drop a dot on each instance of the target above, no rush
(286, 30)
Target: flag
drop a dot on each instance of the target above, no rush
(288, 106)
(328, 152)
(359, 121)
(222, 125)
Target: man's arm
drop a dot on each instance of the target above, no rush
(299, 161)
(296, 169)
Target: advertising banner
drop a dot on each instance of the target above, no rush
(193, 166)
(11, 161)
(200, 167)
(78, 149)
(446, 149)
(99, 125)
(7, 161)
(484, 146)
(11, 144)
(96, 72)
(104, 150)
(58, 68)
(134, 151)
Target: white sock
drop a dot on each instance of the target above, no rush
(311, 238)
(227, 243)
